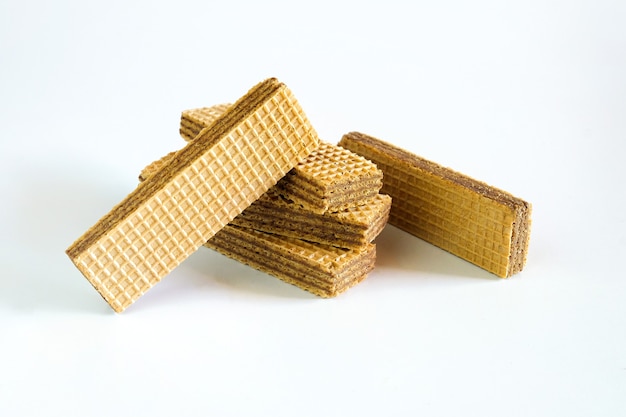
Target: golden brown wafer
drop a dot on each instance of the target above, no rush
(329, 179)
(320, 269)
(351, 227)
(479, 223)
(197, 192)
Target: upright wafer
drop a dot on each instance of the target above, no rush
(482, 224)
(207, 184)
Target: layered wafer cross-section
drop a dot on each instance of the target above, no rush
(324, 254)
(482, 224)
(196, 193)
(330, 179)
(351, 227)
(323, 270)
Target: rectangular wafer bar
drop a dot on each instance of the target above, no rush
(206, 185)
(329, 179)
(479, 223)
(273, 213)
(323, 270)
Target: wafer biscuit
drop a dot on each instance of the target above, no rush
(323, 270)
(207, 184)
(482, 224)
(329, 179)
(349, 228)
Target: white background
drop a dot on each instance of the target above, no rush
(528, 96)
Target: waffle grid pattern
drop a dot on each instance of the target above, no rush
(167, 227)
(444, 213)
(331, 179)
(331, 166)
(327, 170)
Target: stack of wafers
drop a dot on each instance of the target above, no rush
(255, 183)
(314, 228)
(192, 196)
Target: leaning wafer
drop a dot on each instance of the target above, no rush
(201, 189)
(351, 227)
(323, 270)
(482, 224)
(329, 179)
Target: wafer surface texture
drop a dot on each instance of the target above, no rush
(273, 213)
(324, 254)
(194, 194)
(482, 224)
(331, 178)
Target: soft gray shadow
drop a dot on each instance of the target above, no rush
(399, 250)
(51, 206)
(207, 275)
(229, 273)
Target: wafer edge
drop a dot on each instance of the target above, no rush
(259, 216)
